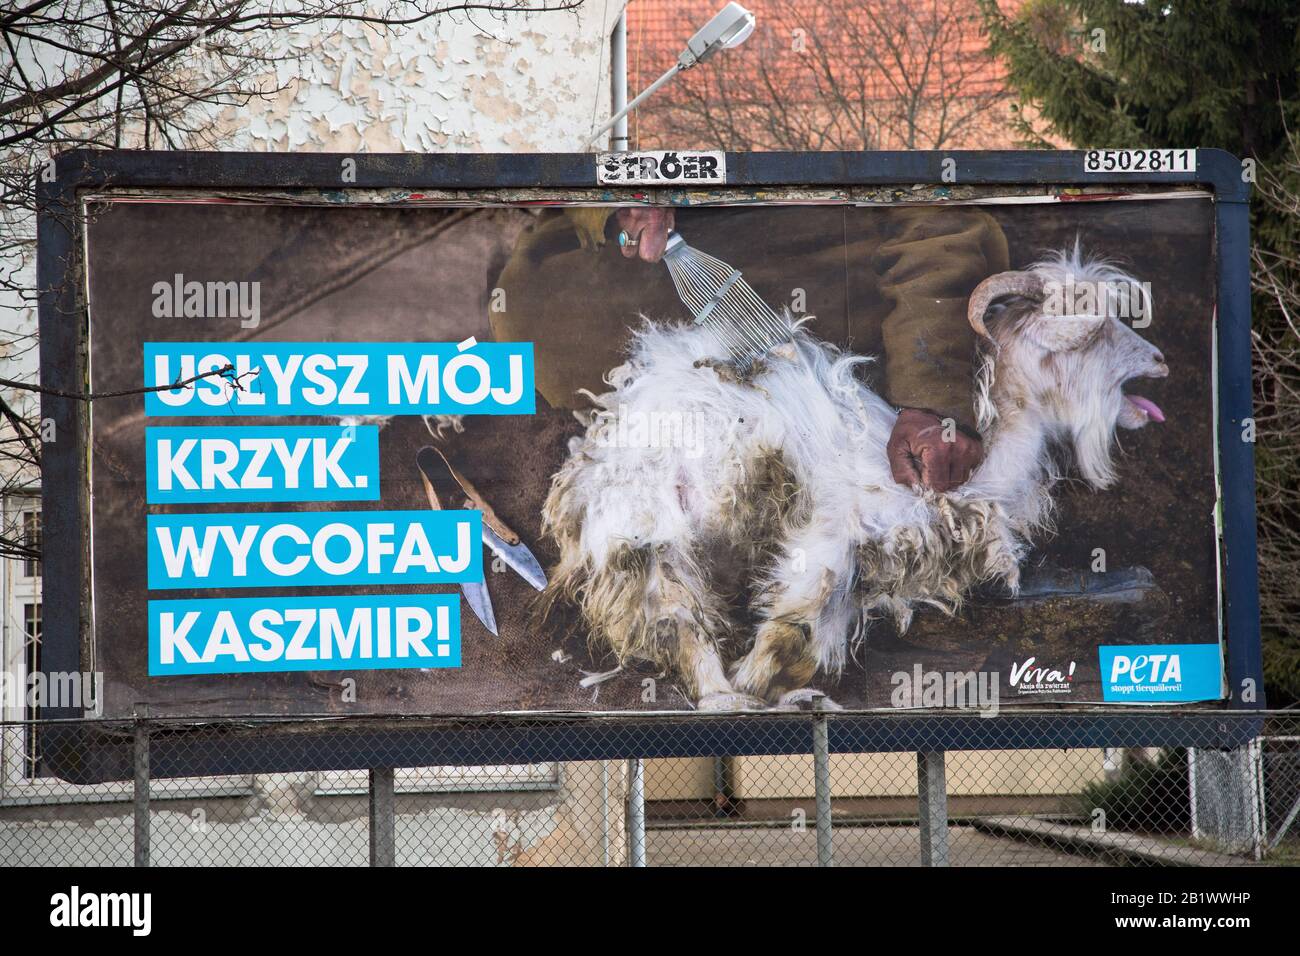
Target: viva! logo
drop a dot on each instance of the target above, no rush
(1032, 678)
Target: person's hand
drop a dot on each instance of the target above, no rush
(648, 229)
(919, 455)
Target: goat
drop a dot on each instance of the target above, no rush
(784, 470)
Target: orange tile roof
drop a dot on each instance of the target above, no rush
(803, 51)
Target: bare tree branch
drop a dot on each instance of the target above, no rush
(224, 372)
(113, 73)
(1276, 277)
(842, 74)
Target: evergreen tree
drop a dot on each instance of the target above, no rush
(1199, 73)
(1106, 73)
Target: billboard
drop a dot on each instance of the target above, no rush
(566, 451)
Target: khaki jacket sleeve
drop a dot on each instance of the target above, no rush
(589, 223)
(928, 266)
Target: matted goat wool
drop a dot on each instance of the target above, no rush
(931, 447)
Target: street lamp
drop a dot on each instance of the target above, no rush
(730, 27)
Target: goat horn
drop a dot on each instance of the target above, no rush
(1004, 283)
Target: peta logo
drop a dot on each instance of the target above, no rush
(180, 299)
(75, 908)
(1160, 673)
(1150, 669)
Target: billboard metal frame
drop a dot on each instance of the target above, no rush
(63, 358)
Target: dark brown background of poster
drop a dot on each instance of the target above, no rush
(336, 273)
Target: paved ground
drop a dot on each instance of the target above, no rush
(854, 846)
(437, 837)
(1159, 851)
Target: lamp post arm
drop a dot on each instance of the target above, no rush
(640, 98)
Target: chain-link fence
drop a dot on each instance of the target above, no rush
(900, 789)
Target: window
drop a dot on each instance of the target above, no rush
(32, 662)
(20, 654)
(32, 540)
(485, 779)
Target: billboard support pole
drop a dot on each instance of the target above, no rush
(1258, 807)
(141, 792)
(636, 812)
(383, 844)
(932, 793)
(822, 785)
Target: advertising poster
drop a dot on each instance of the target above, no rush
(491, 458)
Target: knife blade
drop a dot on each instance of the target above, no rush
(476, 592)
(480, 602)
(518, 557)
(504, 544)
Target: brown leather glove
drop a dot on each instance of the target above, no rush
(919, 455)
(648, 228)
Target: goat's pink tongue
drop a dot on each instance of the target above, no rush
(1151, 408)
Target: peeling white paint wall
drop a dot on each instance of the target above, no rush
(515, 82)
(283, 821)
(519, 83)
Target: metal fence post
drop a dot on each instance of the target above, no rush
(932, 796)
(723, 790)
(822, 785)
(1258, 809)
(383, 844)
(141, 781)
(636, 812)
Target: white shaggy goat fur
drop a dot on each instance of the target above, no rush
(748, 548)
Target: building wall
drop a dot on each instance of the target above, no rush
(536, 83)
(285, 819)
(970, 773)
